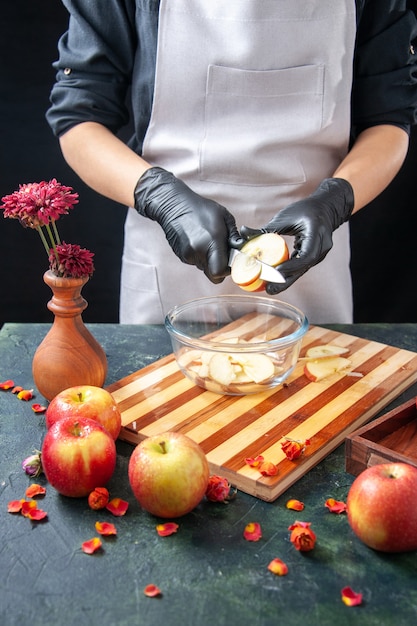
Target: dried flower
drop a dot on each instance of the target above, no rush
(302, 537)
(98, 499)
(294, 448)
(219, 489)
(39, 206)
(32, 465)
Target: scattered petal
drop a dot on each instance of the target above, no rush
(37, 515)
(350, 597)
(32, 465)
(117, 507)
(91, 546)
(295, 505)
(16, 389)
(218, 489)
(6, 385)
(31, 511)
(267, 468)
(98, 499)
(25, 394)
(252, 532)
(164, 530)
(15, 506)
(105, 528)
(152, 591)
(302, 537)
(278, 567)
(38, 408)
(35, 490)
(254, 462)
(335, 506)
(294, 448)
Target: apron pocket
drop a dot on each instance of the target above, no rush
(140, 301)
(264, 116)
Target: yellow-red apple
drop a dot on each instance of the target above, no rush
(168, 474)
(382, 507)
(86, 401)
(78, 454)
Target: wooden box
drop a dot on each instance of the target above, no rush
(391, 437)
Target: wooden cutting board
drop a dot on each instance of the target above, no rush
(159, 398)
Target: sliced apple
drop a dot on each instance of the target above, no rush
(221, 369)
(323, 368)
(325, 351)
(258, 367)
(245, 270)
(270, 248)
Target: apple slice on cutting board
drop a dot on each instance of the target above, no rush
(323, 368)
(324, 352)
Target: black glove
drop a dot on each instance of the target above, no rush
(312, 222)
(199, 231)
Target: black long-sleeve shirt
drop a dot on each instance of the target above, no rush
(107, 55)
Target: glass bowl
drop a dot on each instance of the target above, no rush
(236, 344)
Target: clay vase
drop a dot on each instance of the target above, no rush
(69, 355)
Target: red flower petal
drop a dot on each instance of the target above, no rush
(91, 546)
(278, 567)
(15, 506)
(37, 515)
(152, 591)
(16, 389)
(105, 528)
(31, 511)
(117, 507)
(35, 490)
(350, 597)
(335, 506)
(252, 532)
(267, 468)
(254, 462)
(295, 505)
(25, 394)
(6, 385)
(98, 499)
(164, 530)
(38, 408)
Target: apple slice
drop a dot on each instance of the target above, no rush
(255, 367)
(221, 369)
(245, 270)
(270, 248)
(323, 368)
(325, 351)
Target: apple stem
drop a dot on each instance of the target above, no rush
(163, 446)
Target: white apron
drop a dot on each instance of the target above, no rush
(251, 109)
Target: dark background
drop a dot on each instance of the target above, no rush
(384, 252)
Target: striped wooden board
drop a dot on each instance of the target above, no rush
(159, 398)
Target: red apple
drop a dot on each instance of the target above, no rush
(86, 401)
(78, 454)
(382, 507)
(168, 474)
(270, 248)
